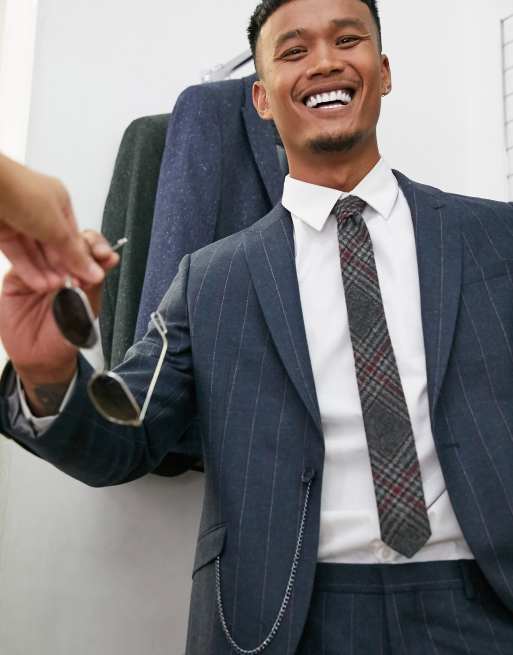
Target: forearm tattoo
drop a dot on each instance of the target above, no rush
(50, 396)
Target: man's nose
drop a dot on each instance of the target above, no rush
(325, 62)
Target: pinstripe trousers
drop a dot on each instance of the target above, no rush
(433, 608)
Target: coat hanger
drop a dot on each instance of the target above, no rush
(224, 71)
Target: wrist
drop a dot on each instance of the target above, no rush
(45, 390)
(44, 373)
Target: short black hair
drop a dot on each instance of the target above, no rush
(267, 7)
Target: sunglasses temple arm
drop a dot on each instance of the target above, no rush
(154, 379)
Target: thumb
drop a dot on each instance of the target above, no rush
(74, 255)
(68, 250)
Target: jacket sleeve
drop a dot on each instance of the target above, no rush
(85, 446)
(188, 195)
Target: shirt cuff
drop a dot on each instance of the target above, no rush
(40, 424)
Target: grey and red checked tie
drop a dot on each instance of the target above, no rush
(395, 466)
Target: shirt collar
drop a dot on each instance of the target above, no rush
(313, 204)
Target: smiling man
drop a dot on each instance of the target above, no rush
(322, 83)
(350, 360)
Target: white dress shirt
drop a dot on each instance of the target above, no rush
(350, 531)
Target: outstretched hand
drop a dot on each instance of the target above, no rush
(38, 230)
(31, 338)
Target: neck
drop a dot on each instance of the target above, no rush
(336, 170)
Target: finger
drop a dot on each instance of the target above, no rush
(107, 266)
(54, 256)
(14, 284)
(56, 211)
(101, 249)
(55, 262)
(27, 264)
(43, 211)
(37, 256)
(68, 251)
(66, 205)
(77, 258)
(98, 244)
(57, 274)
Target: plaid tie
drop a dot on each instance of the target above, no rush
(395, 466)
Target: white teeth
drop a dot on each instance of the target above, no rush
(344, 97)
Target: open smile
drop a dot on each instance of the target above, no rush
(329, 100)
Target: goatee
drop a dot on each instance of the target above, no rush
(335, 143)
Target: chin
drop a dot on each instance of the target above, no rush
(335, 142)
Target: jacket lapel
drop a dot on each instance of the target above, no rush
(269, 248)
(439, 253)
(263, 145)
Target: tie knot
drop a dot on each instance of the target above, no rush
(347, 208)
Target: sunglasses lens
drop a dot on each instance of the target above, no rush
(113, 401)
(73, 319)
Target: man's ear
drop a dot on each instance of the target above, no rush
(386, 75)
(261, 101)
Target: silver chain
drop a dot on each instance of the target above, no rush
(286, 598)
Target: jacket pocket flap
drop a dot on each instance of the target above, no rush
(209, 546)
(488, 272)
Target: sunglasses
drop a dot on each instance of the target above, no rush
(108, 392)
(73, 314)
(111, 396)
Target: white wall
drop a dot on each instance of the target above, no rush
(107, 571)
(17, 31)
(17, 34)
(444, 123)
(2, 18)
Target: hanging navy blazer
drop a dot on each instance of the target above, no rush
(219, 174)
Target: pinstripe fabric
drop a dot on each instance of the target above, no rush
(440, 608)
(238, 359)
(395, 466)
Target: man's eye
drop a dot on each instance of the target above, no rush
(348, 40)
(294, 52)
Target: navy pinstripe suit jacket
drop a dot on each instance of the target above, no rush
(238, 357)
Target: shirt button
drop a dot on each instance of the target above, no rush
(381, 551)
(387, 554)
(376, 546)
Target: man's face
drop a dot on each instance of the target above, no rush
(309, 48)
